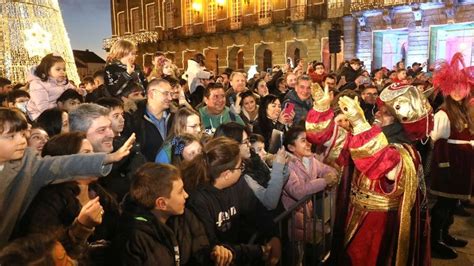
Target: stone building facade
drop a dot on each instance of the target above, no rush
(419, 32)
(230, 33)
(241, 33)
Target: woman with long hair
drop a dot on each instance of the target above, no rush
(265, 183)
(453, 160)
(220, 198)
(121, 68)
(271, 117)
(249, 108)
(58, 205)
(185, 121)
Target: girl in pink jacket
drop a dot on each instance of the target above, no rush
(47, 83)
(307, 176)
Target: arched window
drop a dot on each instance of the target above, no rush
(240, 59)
(296, 55)
(267, 59)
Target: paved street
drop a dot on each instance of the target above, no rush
(463, 227)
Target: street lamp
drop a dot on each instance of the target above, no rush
(220, 4)
(197, 7)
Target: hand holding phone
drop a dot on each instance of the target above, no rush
(289, 108)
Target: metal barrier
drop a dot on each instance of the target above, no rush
(313, 251)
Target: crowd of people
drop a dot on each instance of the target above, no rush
(162, 167)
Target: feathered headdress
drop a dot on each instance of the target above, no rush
(449, 77)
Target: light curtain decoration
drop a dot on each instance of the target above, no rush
(30, 29)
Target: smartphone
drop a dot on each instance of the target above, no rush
(289, 107)
(276, 141)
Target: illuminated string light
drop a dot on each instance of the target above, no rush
(137, 38)
(30, 29)
(38, 41)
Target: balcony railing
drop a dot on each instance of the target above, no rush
(235, 22)
(335, 8)
(137, 38)
(298, 12)
(211, 26)
(264, 17)
(358, 5)
(188, 30)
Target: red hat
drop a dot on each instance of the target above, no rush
(449, 77)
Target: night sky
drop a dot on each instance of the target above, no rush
(87, 23)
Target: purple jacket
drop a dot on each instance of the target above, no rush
(44, 94)
(301, 183)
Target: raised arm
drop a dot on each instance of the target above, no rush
(270, 196)
(322, 130)
(369, 148)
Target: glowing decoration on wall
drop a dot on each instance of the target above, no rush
(30, 29)
(38, 41)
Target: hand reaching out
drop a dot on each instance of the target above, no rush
(322, 102)
(354, 113)
(122, 152)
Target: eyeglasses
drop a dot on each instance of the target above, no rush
(164, 93)
(241, 167)
(245, 142)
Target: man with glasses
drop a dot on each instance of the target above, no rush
(215, 112)
(368, 101)
(152, 119)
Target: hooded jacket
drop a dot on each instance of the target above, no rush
(224, 213)
(44, 94)
(304, 180)
(146, 241)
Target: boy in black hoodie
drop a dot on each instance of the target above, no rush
(157, 230)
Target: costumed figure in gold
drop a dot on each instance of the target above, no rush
(386, 191)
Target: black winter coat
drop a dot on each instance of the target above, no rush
(231, 216)
(57, 206)
(147, 134)
(146, 241)
(117, 183)
(117, 78)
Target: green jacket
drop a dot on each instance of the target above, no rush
(211, 122)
